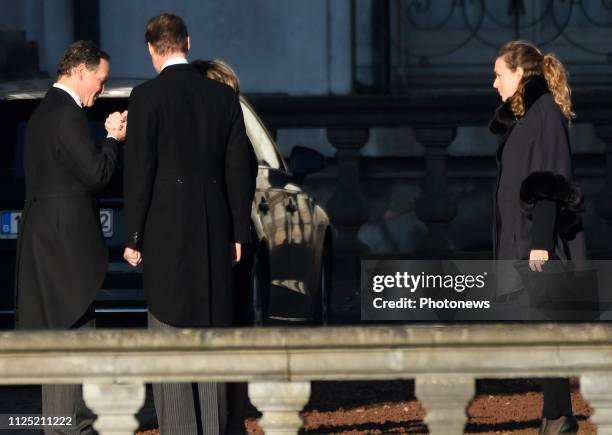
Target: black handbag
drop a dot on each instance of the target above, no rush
(561, 292)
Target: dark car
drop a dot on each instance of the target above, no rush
(285, 272)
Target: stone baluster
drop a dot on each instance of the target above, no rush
(116, 405)
(603, 203)
(597, 390)
(280, 403)
(436, 206)
(348, 212)
(347, 206)
(445, 400)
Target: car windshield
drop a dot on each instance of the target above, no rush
(262, 143)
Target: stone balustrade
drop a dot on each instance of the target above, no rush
(435, 114)
(279, 363)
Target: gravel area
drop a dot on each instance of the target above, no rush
(510, 407)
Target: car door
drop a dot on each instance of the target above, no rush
(277, 205)
(302, 240)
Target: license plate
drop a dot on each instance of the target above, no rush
(9, 223)
(106, 219)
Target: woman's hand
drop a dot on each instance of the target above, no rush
(537, 258)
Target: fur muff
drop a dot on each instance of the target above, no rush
(554, 187)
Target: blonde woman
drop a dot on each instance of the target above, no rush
(237, 396)
(218, 70)
(536, 202)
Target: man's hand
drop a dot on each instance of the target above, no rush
(537, 258)
(236, 253)
(116, 125)
(132, 256)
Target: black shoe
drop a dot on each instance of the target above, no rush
(570, 427)
(566, 425)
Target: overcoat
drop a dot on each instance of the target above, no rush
(188, 186)
(537, 204)
(61, 254)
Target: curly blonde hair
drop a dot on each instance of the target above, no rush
(527, 56)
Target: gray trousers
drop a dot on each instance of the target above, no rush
(67, 400)
(189, 409)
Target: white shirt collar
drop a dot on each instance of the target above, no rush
(70, 92)
(173, 61)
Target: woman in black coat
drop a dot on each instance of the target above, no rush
(535, 201)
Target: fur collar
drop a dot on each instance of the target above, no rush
(504, 118)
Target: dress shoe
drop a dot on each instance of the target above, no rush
(565, 425)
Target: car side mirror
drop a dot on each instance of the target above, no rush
(304, 161)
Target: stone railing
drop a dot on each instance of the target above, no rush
(279, 363)
(435, 115)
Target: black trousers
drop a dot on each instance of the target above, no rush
(557, 398)
(67, 399)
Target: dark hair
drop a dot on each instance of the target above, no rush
(167, 33)
(218, 70)
(201, 65)
(79, 52)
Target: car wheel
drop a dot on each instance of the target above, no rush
(322, 306)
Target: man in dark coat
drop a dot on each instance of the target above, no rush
(188, 186)
(61, 254)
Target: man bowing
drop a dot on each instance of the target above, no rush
(61, 254)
